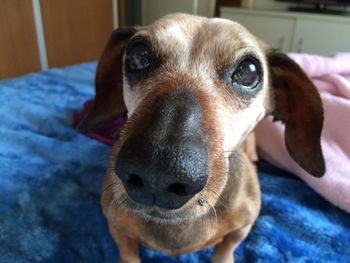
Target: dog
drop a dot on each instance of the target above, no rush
(181, 175)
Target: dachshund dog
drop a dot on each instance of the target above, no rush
(181, 175)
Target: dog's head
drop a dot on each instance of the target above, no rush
(193, 89)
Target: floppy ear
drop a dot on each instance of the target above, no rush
(109, 101)
(298, 105)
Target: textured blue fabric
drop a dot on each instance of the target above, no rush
(50, 182)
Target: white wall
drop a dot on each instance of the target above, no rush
(270, 5)
(154, 9)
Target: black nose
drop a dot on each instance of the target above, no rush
(164, 162)
(165, 176)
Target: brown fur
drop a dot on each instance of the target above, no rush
(195, 51)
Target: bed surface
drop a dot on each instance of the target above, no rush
(51, 177)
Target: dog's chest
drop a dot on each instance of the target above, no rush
(176, 238)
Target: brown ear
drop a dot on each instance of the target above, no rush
(108, 101)
(298, 105)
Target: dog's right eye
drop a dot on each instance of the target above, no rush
(138, 57)
(247, 74)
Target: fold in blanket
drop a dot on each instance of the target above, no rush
(332, 77)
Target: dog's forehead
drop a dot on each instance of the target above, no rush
(178, 27)
(188, 37)
(224, 41)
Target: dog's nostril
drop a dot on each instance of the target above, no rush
(135, 180)
(178, 189)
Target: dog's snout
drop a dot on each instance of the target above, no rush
(164, 162)
(165, 176)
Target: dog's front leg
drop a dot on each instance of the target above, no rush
(128, 249)
(223, 252)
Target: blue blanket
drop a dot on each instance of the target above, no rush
(51, 176)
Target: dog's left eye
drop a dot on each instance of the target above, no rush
(247, 74)
(138, 57)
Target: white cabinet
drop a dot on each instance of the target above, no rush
(295, 32)
(321, 37)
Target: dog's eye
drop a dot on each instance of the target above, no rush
(138, 57)
(247, 74)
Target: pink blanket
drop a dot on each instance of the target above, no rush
(332, 77)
